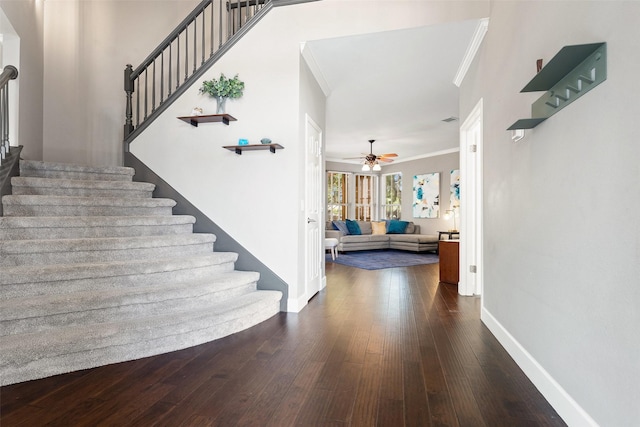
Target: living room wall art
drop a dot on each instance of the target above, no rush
(426, 195)
(454, 201)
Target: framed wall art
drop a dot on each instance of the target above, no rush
(454, 200)
(426, 195)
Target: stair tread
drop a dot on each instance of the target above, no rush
(52, 273)
(36, 200)
(80, 183)
(47, 341)
(102, 243)
(96, 221)
(70, 167)
(24, 307)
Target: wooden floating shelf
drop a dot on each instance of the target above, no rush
(251, 147)
(210, 118)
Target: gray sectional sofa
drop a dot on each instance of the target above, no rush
(409, 240)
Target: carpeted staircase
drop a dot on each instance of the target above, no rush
(94, 271)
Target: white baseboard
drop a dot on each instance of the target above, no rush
(294, 305)
(562, 402)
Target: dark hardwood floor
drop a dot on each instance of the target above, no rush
(375, 348)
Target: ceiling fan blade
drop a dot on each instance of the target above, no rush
(370, 158)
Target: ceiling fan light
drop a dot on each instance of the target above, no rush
(376, 167)
(365, 168)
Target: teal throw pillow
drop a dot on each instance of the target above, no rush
(353, 227)
(396, 227)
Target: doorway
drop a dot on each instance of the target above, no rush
(314, 207)
(471, 237)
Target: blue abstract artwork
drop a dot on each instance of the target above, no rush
(454, 201)
(426, 195)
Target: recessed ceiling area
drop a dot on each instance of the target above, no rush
(395, 87)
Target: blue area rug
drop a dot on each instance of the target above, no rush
(383, 258)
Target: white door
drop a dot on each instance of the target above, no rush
(314, 240)
(471, 262)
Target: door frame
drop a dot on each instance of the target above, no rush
(471, 196)
(320, 203)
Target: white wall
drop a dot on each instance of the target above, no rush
(87, 46)
(253, 196)
(562, 242)
(257, 197)
(26, 18)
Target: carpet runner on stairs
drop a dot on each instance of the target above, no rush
(94, 271)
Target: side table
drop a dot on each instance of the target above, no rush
(449, 234)
(449, 252)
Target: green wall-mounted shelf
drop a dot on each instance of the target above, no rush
(571, 73)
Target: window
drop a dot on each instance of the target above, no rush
(352, 196)
(365, 191)
(392, 202)
(337, 195)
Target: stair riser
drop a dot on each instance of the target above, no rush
(53, 210)
(89, 176)
(33, 286)
(126, 310)
(80, 192)
(90, 232)
(90, 256)
(22, 365)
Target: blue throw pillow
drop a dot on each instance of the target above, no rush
(342, 226)
(353, 227)
(396, 227)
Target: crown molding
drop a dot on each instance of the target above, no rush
(472, 50)
(308, 57)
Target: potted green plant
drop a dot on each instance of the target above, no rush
(222, 89)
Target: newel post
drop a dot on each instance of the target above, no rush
(128, 88)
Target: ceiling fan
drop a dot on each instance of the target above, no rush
(371, 161)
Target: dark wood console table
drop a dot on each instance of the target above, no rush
(449, 234)
(449, 251)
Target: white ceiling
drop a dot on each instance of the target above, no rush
(395, 87)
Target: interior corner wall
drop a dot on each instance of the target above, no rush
(87, 46)
(313, 105)
(26, 18)
(442, 164)
(561, 237)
